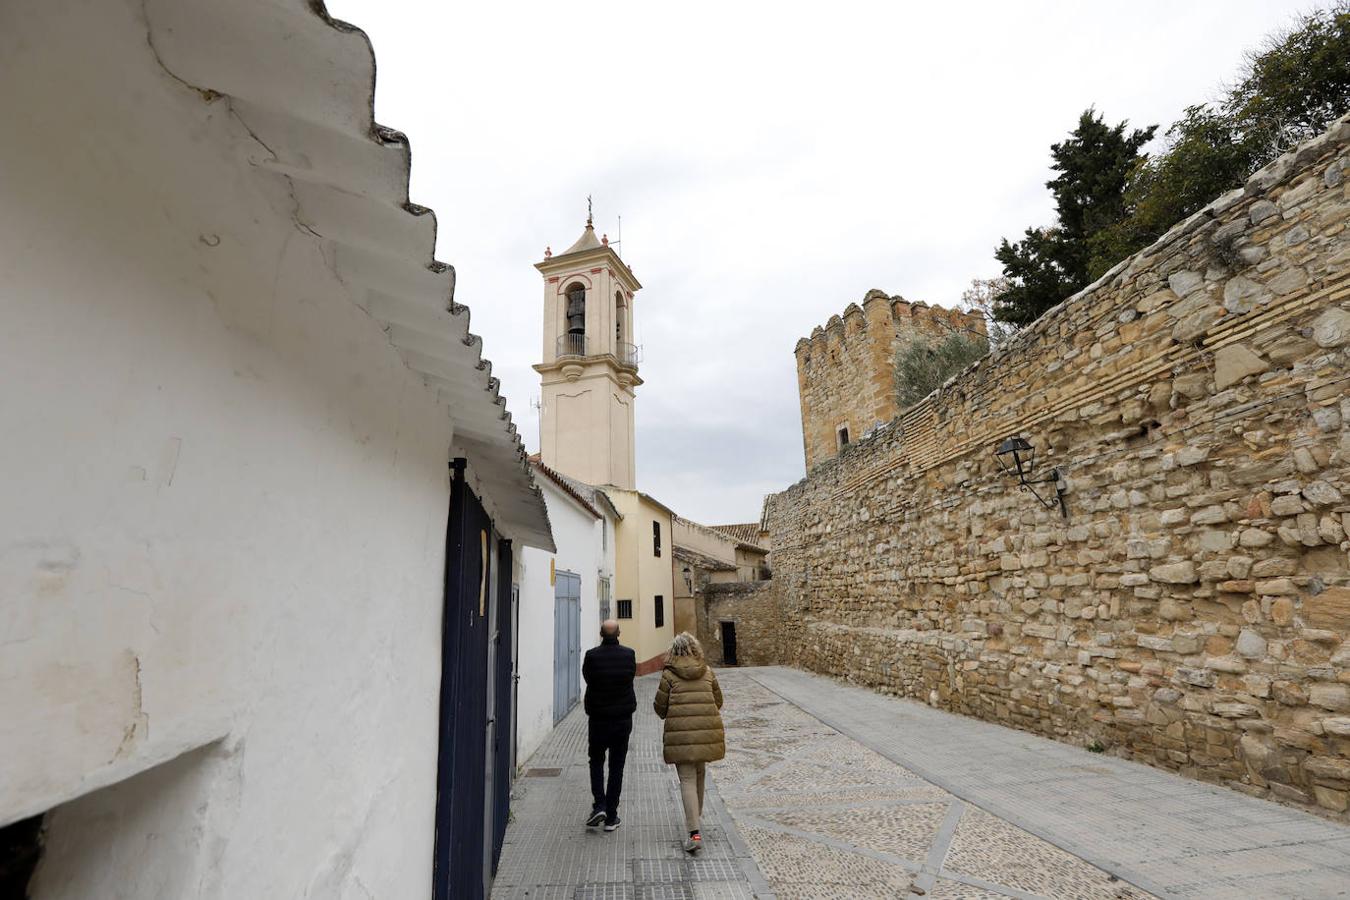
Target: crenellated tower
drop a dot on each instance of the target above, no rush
(846, 370)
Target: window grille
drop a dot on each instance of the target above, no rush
(625, 609)
(656, 539)
(660, 605)
(602, 590)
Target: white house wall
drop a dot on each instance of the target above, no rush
(578, 536)
(222, 538)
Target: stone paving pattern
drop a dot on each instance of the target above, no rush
(827, 817)
(1035, 808)
(550, 855)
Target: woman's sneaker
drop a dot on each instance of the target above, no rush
(693, 843)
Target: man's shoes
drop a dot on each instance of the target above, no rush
(597, 817)
(693, 843)
(613, 824)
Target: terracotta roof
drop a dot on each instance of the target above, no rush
(746, 533)
(567, 486)
(702, 560)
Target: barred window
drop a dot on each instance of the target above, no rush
(625, 609)
(602, 592)
(660, 605)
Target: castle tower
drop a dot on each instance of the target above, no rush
(589, 369)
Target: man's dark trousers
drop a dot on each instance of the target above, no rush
(608, 737)
(610, 703)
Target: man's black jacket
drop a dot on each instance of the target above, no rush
(609, 671)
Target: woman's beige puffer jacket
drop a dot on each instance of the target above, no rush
(690, 700)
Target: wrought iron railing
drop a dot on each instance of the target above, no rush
(572, 345)
(628, 354)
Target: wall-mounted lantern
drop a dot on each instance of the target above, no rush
(1018, 459)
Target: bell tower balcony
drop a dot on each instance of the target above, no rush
(578, 346)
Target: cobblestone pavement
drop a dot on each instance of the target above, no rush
(832, 791)
(550, 855)
(826, 817)
(1021, 812)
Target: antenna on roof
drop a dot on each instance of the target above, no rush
(537, 404)
(619, 243)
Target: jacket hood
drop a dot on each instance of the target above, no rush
(687, 667)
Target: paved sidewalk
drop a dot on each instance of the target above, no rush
(826, 818)
(550, 855)
(1171, 836)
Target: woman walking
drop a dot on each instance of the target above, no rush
(690, 701)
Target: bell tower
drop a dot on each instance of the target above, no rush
(590, 363)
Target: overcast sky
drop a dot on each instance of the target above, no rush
(771, 162)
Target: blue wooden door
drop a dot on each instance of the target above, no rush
(566, 644)
(462, 818)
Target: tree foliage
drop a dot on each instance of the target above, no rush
(922, 365)
(1290, 89)
(980, 297)
(1094, 165)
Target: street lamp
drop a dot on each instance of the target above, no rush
(1018, 459)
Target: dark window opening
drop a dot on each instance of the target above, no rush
(576, 309)
(625, 609)
(843, 437)
(656, 539)
(660, 605)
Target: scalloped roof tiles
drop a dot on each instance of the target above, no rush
(302, 84)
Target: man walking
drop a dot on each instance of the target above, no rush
(609, 671)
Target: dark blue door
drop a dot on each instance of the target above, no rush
(504, 732)
(458, 871)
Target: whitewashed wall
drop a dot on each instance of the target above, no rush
(221, 539)
(581, 549)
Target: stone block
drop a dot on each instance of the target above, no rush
(1332, 328)
(1330, 610)
(1331, 798)
(1251, 644)
(1234, 710)
(1326, 767)
(1235, 362)
(1320, 493)
(1195, 677)
(1277, 587)
(1286, 505)
(1241, 295)
(1175, 573)
(1185, 281)
(1210, 515)
(1262, 211)
(1254, 537)
(1335, 697)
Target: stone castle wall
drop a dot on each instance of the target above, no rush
(755, 607)
(846, 370)
(1193, 611)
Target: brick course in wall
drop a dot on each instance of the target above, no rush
(846, 370)
(1193, 611)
